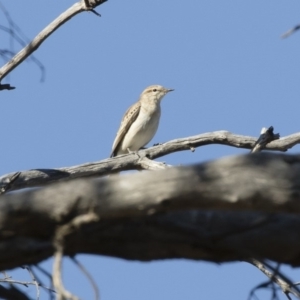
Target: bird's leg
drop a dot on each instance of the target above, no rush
(136, 152)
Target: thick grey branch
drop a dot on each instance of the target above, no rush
(45, 33)
(178, 212)
(133, 161)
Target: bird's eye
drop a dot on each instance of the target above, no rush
(154, 90)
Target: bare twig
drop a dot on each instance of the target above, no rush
(89, 277)
(285, 284)
(15, 34)
(25, 283)
(49, 275)
(60, 235)
(62, 293)
(9, 280)
(45, 33)
(37, 285)
(290, 31)
(41, 177)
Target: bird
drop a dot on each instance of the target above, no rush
(140, 122)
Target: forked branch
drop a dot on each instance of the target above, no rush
(81, 6)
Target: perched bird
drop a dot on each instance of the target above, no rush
(140, 122)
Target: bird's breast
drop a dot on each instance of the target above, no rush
(146, 124)
(142, 129)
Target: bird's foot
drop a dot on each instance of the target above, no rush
(136, 152)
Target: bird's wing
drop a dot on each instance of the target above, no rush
(129, 117)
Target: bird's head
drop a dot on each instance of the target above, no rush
(155, 92)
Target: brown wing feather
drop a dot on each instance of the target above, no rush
(129, 117)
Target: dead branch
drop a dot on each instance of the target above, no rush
(59, 240)
(219, 211)
(8, 280)
(88, 276)
(16, 35)
(133, 161)
(285, 284)
(290, 31)
(75, 9)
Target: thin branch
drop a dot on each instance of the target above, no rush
(44, 34)
(34, 281)
(62, 293)
(25, 283)
(15, 34)
(89, 277)
(132, 161)
(9, 280)
(275, 276)
(290, 31)
(287, 286)
(61, 233)
(50, 289)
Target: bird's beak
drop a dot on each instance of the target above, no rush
(169, 90)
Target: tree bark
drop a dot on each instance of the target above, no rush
(134, 161)
(229, 209)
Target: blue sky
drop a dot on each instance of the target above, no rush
(230, 71)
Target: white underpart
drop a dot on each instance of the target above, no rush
(142, 130)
